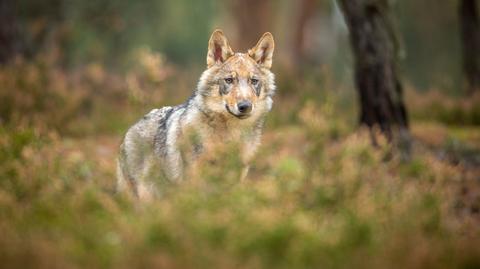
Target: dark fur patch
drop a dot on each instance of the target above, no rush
(258, 88)
(264, 55)
(161, 135)
(218, 53)
(224, 88)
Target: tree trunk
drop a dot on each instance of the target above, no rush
(252, 18)
(10, 43)
(470, 35)
(374, 47)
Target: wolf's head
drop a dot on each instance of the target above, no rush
(238, 85)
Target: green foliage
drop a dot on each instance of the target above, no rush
(324, 201)
(457, 114)
(110, 31)
(318, 194)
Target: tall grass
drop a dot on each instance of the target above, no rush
(318, 195)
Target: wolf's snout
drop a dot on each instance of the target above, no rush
(244, 107)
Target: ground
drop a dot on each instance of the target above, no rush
(318, 195)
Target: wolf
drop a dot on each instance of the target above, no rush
(230, 103)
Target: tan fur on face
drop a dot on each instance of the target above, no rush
(222, 62)
(242, 68)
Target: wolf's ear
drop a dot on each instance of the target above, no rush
(262, 53)
(218, 49)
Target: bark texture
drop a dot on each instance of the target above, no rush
(374, 46)
(470, 36)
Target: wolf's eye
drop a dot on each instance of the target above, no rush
(229, 80)
(254, 81)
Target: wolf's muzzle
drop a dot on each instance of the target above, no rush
(237, 113)
(244, 107)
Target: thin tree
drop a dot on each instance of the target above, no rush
(252, 19)
(374, 45)
(305, 13)
(470, 36)
(10, 44)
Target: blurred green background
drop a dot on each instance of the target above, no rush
(109, 31)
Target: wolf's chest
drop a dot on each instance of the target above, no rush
(207, 141)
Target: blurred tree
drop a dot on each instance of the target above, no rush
(374, 44)
(431, 60)
(470, 35)
(306, 10)
(10, 43)
(252, 19)
(106, 31)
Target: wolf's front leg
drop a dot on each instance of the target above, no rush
(148, 186)
(243, 175)
(174, 166)
(248, 152)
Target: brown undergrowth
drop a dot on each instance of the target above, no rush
(318, 194)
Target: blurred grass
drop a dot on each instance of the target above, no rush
(451, 110)
(318, 196)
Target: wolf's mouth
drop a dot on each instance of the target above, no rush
(239, 116)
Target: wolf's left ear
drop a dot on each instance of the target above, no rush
(218, 49)
(262, 53)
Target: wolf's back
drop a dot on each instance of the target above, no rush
(136, 150)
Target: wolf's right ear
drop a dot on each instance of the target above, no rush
(218, 49)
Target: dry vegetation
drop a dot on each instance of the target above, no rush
(319, 196)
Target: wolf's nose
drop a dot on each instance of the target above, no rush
(244, 107)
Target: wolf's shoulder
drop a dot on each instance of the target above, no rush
(157, 114)
(148, 124)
